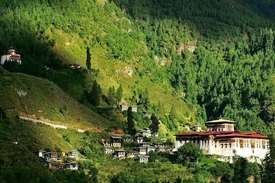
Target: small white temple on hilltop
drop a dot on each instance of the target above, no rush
(222, 140)
(10, 56)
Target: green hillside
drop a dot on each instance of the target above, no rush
(184, 61)
(38, 98)
(189, 60)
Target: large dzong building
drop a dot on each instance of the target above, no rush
(222, 140)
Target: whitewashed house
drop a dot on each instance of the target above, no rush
(143, 158)
(73, 154)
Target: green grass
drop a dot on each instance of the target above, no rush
(46, 101)
(32, 136)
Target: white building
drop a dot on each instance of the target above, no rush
(124, 107)
(222, 140)
(10, 56)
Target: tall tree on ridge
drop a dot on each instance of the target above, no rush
(88, 59)
(130, 122)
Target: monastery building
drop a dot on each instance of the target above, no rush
(222, 140)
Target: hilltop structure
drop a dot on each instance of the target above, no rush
(10, 56)
(222, 140)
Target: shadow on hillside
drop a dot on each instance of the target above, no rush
(265, 9)
(30, 39)
(209, 18)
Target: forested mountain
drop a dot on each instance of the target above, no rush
(184, 61)
(208, 58)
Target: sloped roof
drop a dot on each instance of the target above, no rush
(223, 134)
(220, 120)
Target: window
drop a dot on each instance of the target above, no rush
(252, 143)
(264, 145)
(241, 143)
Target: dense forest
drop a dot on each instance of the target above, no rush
(201, 54)
(185, 62)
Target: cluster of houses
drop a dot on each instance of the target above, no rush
(134, 108)
(114, 146)
(55, 160)
(220, 139)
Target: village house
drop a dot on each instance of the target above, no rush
(134, 108)
(116, 141)
(70, 165)
(52, 165)
(40, 153)
(145, 132)
(222, 140)
(73, 154)
(131, 154)
(144, 144)
(168, 145)
(120, 154)
(128, 138)
(140, 150)
(139, 138)
(143, 158)
(51, 155)
(108, 150)
(124, 107)
(162, 147)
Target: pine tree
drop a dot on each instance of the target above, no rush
(88, 59)
(111, 96)
(155, 123)
(119, 94)
(95, 94)
(130, 122)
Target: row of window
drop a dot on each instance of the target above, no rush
(240, 143)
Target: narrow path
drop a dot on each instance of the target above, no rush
(44, 122)
(53, 125)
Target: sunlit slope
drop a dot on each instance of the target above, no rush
(38, 98)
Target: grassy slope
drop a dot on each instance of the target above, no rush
(46, 101)
(31, 137)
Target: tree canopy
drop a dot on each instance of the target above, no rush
(189, 153)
